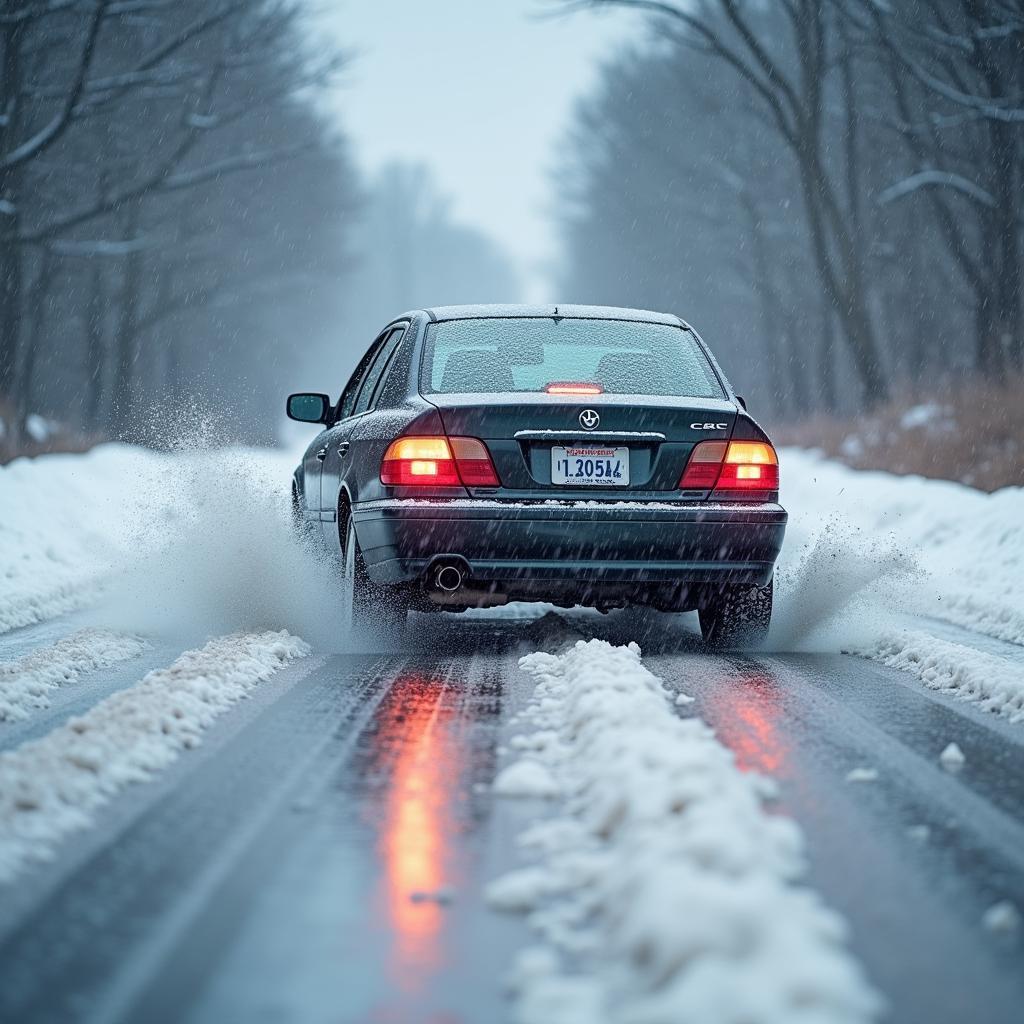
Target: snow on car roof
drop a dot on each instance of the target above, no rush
(574, 312)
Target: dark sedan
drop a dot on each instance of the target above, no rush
(570, 454)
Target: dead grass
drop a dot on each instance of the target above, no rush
(972, 433)
(60, 439)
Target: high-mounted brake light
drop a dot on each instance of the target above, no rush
(568, 387)
(437, 462)
(750, 466)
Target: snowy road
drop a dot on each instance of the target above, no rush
(204, 817)
(322, 855)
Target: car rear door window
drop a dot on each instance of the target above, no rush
(376, 370)
(387, 361)
(347, 402)
(525, 354)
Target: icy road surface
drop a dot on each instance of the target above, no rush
(323, 855)
(213, 808)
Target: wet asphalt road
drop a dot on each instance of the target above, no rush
(321, 857)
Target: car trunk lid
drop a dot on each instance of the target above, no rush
(520, 431)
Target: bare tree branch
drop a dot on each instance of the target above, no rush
(51, 132)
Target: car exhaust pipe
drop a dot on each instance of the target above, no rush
(448, 578)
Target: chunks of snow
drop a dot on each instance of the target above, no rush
(922, 415)
(38, 428)
(852, 446)
(526, 778)
(995, 683)
(547, 995)
(1001, 917)
(862, 775)
(51, 786)
(518, 890)
(25, 683)
(952, 757)
(665, 882)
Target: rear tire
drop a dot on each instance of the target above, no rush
(736, 614)
(368, 608)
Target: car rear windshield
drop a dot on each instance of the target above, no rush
(532, 354)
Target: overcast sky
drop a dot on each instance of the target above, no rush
(482, 91)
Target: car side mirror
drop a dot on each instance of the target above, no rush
(742, 401)
(308, 408)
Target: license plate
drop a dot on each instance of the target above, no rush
(590, 466)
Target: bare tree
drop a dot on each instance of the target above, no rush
(788, 73)
(124, 123)
(956, 71)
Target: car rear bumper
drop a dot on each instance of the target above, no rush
(504, 543)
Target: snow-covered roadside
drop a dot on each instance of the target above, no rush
(67, 520)
(185, 544)
(49, 787)
(994, 683)
(26, 682)
(194, 543)
(663, 890)
(898, 544)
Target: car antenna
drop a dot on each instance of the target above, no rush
(554, 316)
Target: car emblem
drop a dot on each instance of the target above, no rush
(589, 419)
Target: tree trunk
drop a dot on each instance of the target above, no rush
(989, 356)
(772, 327)
(39, 296)
(825, 358)
(95, 349)
(11, 253)
(1006, 315)
(126, 337)
(10, 301)
(841, 278)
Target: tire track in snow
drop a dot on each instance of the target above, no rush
(26, 683)
(49, 787)
(912, 860)
(172, 869)
(993, 683)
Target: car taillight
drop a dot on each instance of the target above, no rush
(701, 473)
(418, 461)
(474, 463)
(437, 462)
(750, 466)
(569, 387)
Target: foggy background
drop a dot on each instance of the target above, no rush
(205, 204)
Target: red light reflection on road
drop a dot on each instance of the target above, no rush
(745, 713)
(420, 752)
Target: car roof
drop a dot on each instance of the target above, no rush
(489, 311)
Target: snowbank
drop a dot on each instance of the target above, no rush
(863, 546)
(185, 544)
(26, 682)
(67, 520)
(50, 786)
(666, 891)
(996, 684)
